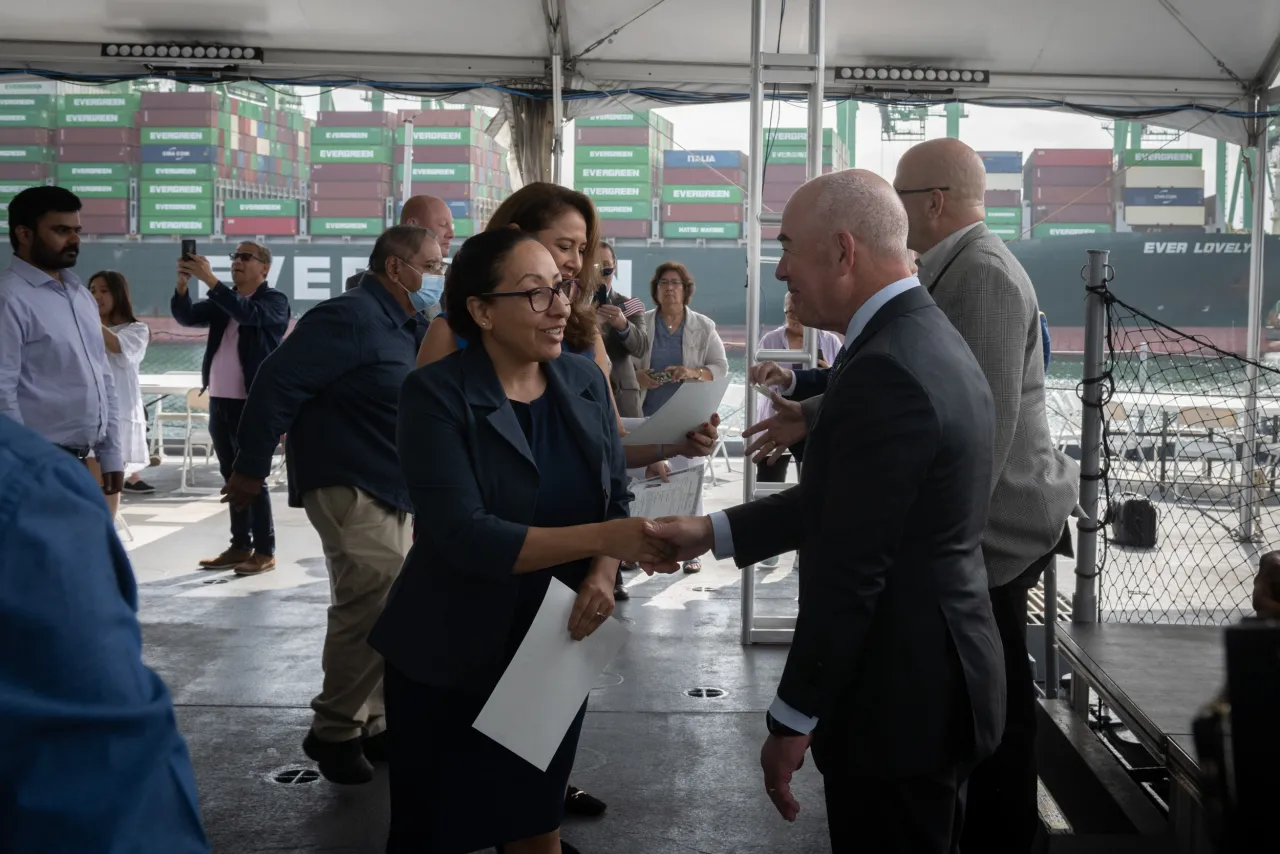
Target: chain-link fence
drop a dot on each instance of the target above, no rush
(1177, 469)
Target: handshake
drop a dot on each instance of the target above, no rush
(657, 545)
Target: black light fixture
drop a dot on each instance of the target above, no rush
(912, 76)
(184, 54)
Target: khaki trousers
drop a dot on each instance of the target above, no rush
(365, 543)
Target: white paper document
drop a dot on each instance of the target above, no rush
(539, 695)
(679, 497)
(688, 408)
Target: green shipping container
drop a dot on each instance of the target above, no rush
(184, 136)
(1068, 229)
(600, 173)
(795, 157)
(351, 136)
(261, 207)
(716, 230)
(24, 118)
(624, 210)
(443, 136)
(177, 208)
(465, 227)
(98, 189)
(619, 120)
(9, 189)
(797, 138)
(1005, 216)
(93, 103)
(26, 154)
(179, 171)
(610, 155)
(1163, 157)
(178, 225)
(461, 173)
(103, 118)
(351, 154)
(1005, 232)
(722, 195)
(631, 192)
(95, 171)
(184, 190)
(346, 225)
(27, 102)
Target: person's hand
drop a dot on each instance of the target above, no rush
(612, 315)
(771, 374)
(681, 374)
(646, 380)
(700, 442)
(241, 490)
(633, 541)
(688, 537)
(777, 432)
(593, 605)
(198, 266)
(780, 758)
(183, 278)
(112, 482)
(659, 470)
(1266, 587)
(823, 364)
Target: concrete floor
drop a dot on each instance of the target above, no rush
(242, 658)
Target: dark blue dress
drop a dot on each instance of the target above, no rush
(456, 791)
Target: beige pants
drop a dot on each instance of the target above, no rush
(365, 543)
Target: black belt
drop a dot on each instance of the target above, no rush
(78, 453)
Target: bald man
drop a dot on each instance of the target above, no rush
(895, 673)
(434, 215)
(989, 298)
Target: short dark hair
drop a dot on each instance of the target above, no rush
(476, 270)
(263, 253)
(672, 267)
(612, 252)
(398, 241)
(118, 287)
(29, 206)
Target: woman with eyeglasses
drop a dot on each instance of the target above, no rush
(511, 452)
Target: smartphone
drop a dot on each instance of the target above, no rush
(602, 295)
(660, 377)
(188, 248)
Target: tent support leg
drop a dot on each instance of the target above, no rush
(1249, 504)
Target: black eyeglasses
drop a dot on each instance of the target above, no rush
(540, 298)
(244, 256)
(606, 271)
(921, 190)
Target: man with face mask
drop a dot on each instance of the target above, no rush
(428, 212)
(54, 375)
(333, 387)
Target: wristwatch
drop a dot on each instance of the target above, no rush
(778, 728)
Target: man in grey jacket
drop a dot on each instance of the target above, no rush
(989, 298)
(624, 335)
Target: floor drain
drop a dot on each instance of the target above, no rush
(297, 776)
(705, 693)
(218, 581)
(702, 589)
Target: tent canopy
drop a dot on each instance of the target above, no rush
(1157, 53)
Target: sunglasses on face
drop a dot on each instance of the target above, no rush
(540, 299)
(243, 256)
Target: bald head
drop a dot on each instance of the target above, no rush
(942, 183)
(430, 213)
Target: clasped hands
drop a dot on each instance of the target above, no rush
(660, 545)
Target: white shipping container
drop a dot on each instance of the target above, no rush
(1163, 176)
(1004, 180)
(1170, 215)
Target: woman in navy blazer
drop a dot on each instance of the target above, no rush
(513, 461)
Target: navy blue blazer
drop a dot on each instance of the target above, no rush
(263, 317)
(474, 487)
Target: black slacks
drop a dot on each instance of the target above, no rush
(910, 815)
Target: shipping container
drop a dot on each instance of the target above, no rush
(427, 154)
(618, 192)
(92, 207)
(1071, 157)
(96, 136)
(442, 172)
(267, 226)
(617, 136)
(183, 171)
(1169, 229)
(998, 181)
(97, 119)
(1070, 230)
(11, 118)
(459, 208)
(624, 210)
(339, 172)
(694, 159)
(703, 175)
(798, 138)
(470, 117)
(465, 227)
(1002, 162)
(350, 154)
(1043, 195)
(26, 136)
(177, 226)
(791, 173)
(207, 101)
(597, 173)
(177, 190)
(639, 155)
(348, 208)
(258, 208)
(770, 232)
(94, 153)
(1071, 213)
(428, 136)
(183, 119)
(448, 190)
(26, 154)
(108, 224)
(1163, 176)
(1069, 176)
(368, 227)
(354, 119)
(185, 136)
(1005, 232)
(1002, 198)
(637, 229)
(641, 119)
(711, 230)
(1163, 196)
(777, 194)
(155, 208)
(182, 154)
(1162, 157)
(722, 194)
(350, 190)
(35, 172)
(1170, 215)
(352, 136)
(9, 189)
(88, 189)
(27, 102)
(702, 213)
(1004, 216)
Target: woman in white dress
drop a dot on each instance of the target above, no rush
(126, 340)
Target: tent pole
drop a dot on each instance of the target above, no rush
(817, 100)
(1249, 497)
(407, 177)
(557, 116)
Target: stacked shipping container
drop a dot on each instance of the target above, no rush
(351, 158)
(702, 194)
(1163, 188)
(786, 162)
(1004, 192)
(97, 157)
(27, 131)
(1069, 191)
(618, 161)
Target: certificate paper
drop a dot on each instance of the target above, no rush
(689, 408)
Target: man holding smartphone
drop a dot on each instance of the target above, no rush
(624, 339)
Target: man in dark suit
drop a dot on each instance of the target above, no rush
(895, 674)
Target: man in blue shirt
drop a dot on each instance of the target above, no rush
(90, 756)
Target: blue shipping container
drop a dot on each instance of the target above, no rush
(1164, 196)
(460, 209)
(1002, 162)
(180, 154)
(686, 159)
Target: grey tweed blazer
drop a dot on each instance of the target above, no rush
(989, 298)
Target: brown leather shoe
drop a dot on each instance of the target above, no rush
(229, 559)
(257, 565)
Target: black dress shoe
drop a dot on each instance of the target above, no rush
(620, 593)
(579, 802)
(566, 848)
(340, 762)
(375, 747)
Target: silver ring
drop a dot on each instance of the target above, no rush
(602, 616)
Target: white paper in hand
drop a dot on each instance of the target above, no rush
(691, 405)
(539, 695)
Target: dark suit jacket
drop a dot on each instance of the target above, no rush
(263, 317)
(622, 351)
(896, 649)
(474, 487)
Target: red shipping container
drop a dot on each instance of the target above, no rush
(178, 119)
(778, 193)
(105, 224)
(26, 136)
(269, 226)
(454, 192)
(354, 119)
(97, 136)
(1072, 213)
(1071, 195)
(444, 154)
(702, 213)
(1068, 176)
(104, 208)
(24, 171)
(438, 118)
(786, 173)
(355, 209)
(98, 153)
(211, 101)
(1002, 199)
(634, 228)
(375, 172)
(344, 190)
(1071, 157)
(288, 136)
(770, 232)
(706, 177)
(613, 136)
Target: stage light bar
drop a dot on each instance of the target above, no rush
(184, 54)
(901, 75)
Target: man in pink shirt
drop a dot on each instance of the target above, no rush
(246, 323)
